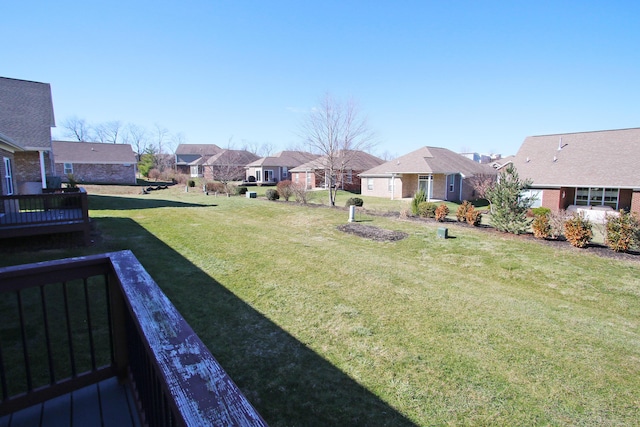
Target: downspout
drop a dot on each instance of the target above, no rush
(429, 187)
(393, 185)
(461, 181)
(43, 172)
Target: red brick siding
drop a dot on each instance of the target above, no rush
(635, 202)
(101, 174)
(26, 167)
(551, 198)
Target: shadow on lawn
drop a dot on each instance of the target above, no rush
(99, 202)
(287, 382)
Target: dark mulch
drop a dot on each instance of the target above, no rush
(371, 232)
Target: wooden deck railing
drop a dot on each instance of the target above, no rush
(70, 323)
(47, 213)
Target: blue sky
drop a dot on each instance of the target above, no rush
(465, 75)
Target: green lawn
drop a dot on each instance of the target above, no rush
(318, 327)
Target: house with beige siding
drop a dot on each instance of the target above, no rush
(595, 170)
(441, 173)
(95, 162)
(26, 119)
(272, 169)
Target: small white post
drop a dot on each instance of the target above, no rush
(352, 213)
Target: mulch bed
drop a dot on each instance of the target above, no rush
(371, 232)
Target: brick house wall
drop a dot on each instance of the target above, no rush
(551, 199)
(100, 173)
(26, 167)
(635, 202)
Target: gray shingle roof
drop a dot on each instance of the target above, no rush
(198, 149)
(26, 112)
(289, 159)
(232, 157)
(92, 153)
(608, 158)
(358, 161)
(430, 160)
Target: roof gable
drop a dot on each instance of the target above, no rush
(92, 153)
(586, 159)
(26, 112)
(288, 159)
(232, 158)
(431, 160)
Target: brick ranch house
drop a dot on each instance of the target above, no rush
(95, 162)
(190, 158)
(441, 173)
(314, 174)
(26, 119)
(599, 170)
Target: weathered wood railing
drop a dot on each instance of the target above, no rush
(74, 322)
(47, 213)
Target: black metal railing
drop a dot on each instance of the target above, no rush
(50, 212)
(70, 323)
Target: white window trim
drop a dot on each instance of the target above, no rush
(68, 168)
(370, 184)
(285, 172)
(8, 175)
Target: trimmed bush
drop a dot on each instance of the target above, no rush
(192, 183)
(242, 190)
(473, 216)
(214, 187)
(578, 231)
(272, 194)
(354, 201)
(541, 226)
(623, 231)
(417, 199)
(427, 210)
(461, 213)
(441, 212)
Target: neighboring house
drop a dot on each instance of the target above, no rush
(26, 119)
(95, 162)
(596, 169)
(441, 173)
(272, 169)
(190, 158)
(314, 174)
(227, 165)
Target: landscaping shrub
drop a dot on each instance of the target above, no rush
(461, 213)
(540, 211)
(541, 226)
(214, 187)
(623, 231)
(508, 207)
(427, 210)
(302, 193)
(473, 216)
(441, 212)
(578, 231)
(354, 201)
(232, 189)
(242, 190)
(192, 183)
(556, 221)
(285, 189)
(272, 194)
(417, 199)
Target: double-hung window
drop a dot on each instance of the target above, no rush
(8, 176)
(68, 168)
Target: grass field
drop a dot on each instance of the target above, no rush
(319, 327)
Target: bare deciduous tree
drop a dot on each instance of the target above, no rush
(138, 138)
(336, 131)
(481, 183)
(77, 129)
(108, 132)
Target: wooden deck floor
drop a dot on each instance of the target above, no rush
(104, 404)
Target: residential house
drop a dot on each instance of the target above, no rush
(190, 158)
(441, 173)
(227, 165)
(26, 119)
(598, 169)
(272, 169)
(95, 162)
(347, 165)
